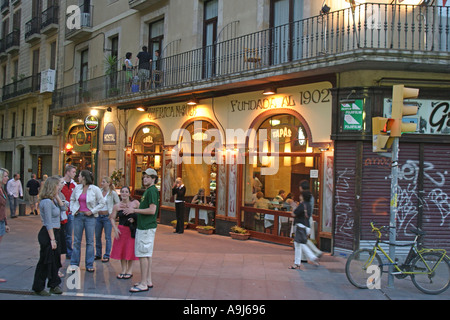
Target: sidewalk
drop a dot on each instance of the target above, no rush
(196, 266)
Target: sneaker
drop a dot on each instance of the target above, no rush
(56, 290)
(42, 293)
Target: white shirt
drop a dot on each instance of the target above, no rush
(14, 188)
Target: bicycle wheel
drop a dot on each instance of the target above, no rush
(357, 268)
(431, 282)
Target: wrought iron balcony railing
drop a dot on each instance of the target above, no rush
(22, 86)
(50, 16)
(374, 29)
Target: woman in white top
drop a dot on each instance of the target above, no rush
(102, 221)
(85, 203)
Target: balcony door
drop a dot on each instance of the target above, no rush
(209, 37)
(84, 68)
(285, 16)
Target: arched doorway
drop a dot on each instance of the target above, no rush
(199, 172)
(147, 151)
(280, 142)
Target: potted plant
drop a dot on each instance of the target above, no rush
(174, 224)
(205, 229)
(116, 177)
(239, 233)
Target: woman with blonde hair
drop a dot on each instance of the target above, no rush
(4, 228)
(102, 221)
(50, 207)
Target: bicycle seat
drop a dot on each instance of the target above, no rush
(418, 232)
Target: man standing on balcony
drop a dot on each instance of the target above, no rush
(14, 188)
(143, 60)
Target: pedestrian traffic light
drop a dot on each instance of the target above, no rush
(381, 141)
(400, 109)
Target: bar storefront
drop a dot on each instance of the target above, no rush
(239, 153)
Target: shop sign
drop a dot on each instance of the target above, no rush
(353, 114)
(91, 123)
(433, 116)
(48, 80)
(172, 112)
(109, 134)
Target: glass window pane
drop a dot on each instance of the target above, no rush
(211, 9)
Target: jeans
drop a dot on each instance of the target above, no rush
(12, 205)
(83, 223)
(69, 235)
(103, 222)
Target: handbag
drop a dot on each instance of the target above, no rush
(300, 235)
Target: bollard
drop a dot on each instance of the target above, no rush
(22, 209)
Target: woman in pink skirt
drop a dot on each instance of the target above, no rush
(123, 246)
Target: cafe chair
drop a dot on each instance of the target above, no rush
(252, 56)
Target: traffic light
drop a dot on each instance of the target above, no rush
(69, 153)
(381, 141)
(399, 110)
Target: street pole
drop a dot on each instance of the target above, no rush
(393, 209)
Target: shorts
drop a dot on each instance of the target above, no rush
(144, 74)
(144, 241)
(2, 228)
(33, 199)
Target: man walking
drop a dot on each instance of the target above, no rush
(33, 187)
(146, 229)
(14, 188)
(69, 185)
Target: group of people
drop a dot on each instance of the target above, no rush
(301, 211)
(67, 209)
(143, 64)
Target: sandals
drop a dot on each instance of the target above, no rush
(124, 276)
(90, 270)
(295, 266)
(136, 288)
(105, 260)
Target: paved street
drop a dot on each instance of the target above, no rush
(198, 267)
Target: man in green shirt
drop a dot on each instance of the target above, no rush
(146, 229)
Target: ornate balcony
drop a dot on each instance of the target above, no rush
(80, 23)
(33, 30)
(49, 22)
(378, 36)
(21, 86)
(12, 42)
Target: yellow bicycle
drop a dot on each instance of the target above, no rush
(429, 269)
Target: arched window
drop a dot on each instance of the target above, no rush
(280, 142)
(146, 153)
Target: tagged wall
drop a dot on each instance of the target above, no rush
(423, 193)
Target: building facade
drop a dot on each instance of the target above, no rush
(28, 59)
(331, 67)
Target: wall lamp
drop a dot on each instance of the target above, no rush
(325, 9)
(269, 91)
(142, 109)
(192, 102)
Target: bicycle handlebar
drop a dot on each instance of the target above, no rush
(378, 230)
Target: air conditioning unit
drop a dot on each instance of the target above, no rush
(86, 19)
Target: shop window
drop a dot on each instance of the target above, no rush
(199, 174)
(283, 143)
(81, 155)
(147, 153)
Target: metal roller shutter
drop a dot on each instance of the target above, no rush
(344, 202)
(376, 193)
(436, 195)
